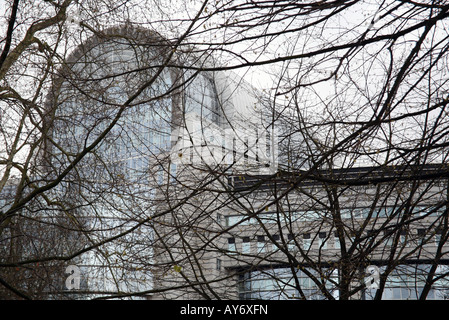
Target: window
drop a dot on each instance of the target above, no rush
(352, 237)
(231, 245)
(306, 241)
(322, 240)
(276, 239)
(403, 238)
(438, 237)
(291, 246)
(336, 240)
(246, 245)
(260, 244)
(421, 233)
(266, 285)
(345, 213)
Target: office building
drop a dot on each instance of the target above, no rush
(158, 123)
(177, 193)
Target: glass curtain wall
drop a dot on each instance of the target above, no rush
(114, 187)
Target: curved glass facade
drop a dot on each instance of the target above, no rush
(115, 90)
(115, 183)
(111, 72)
